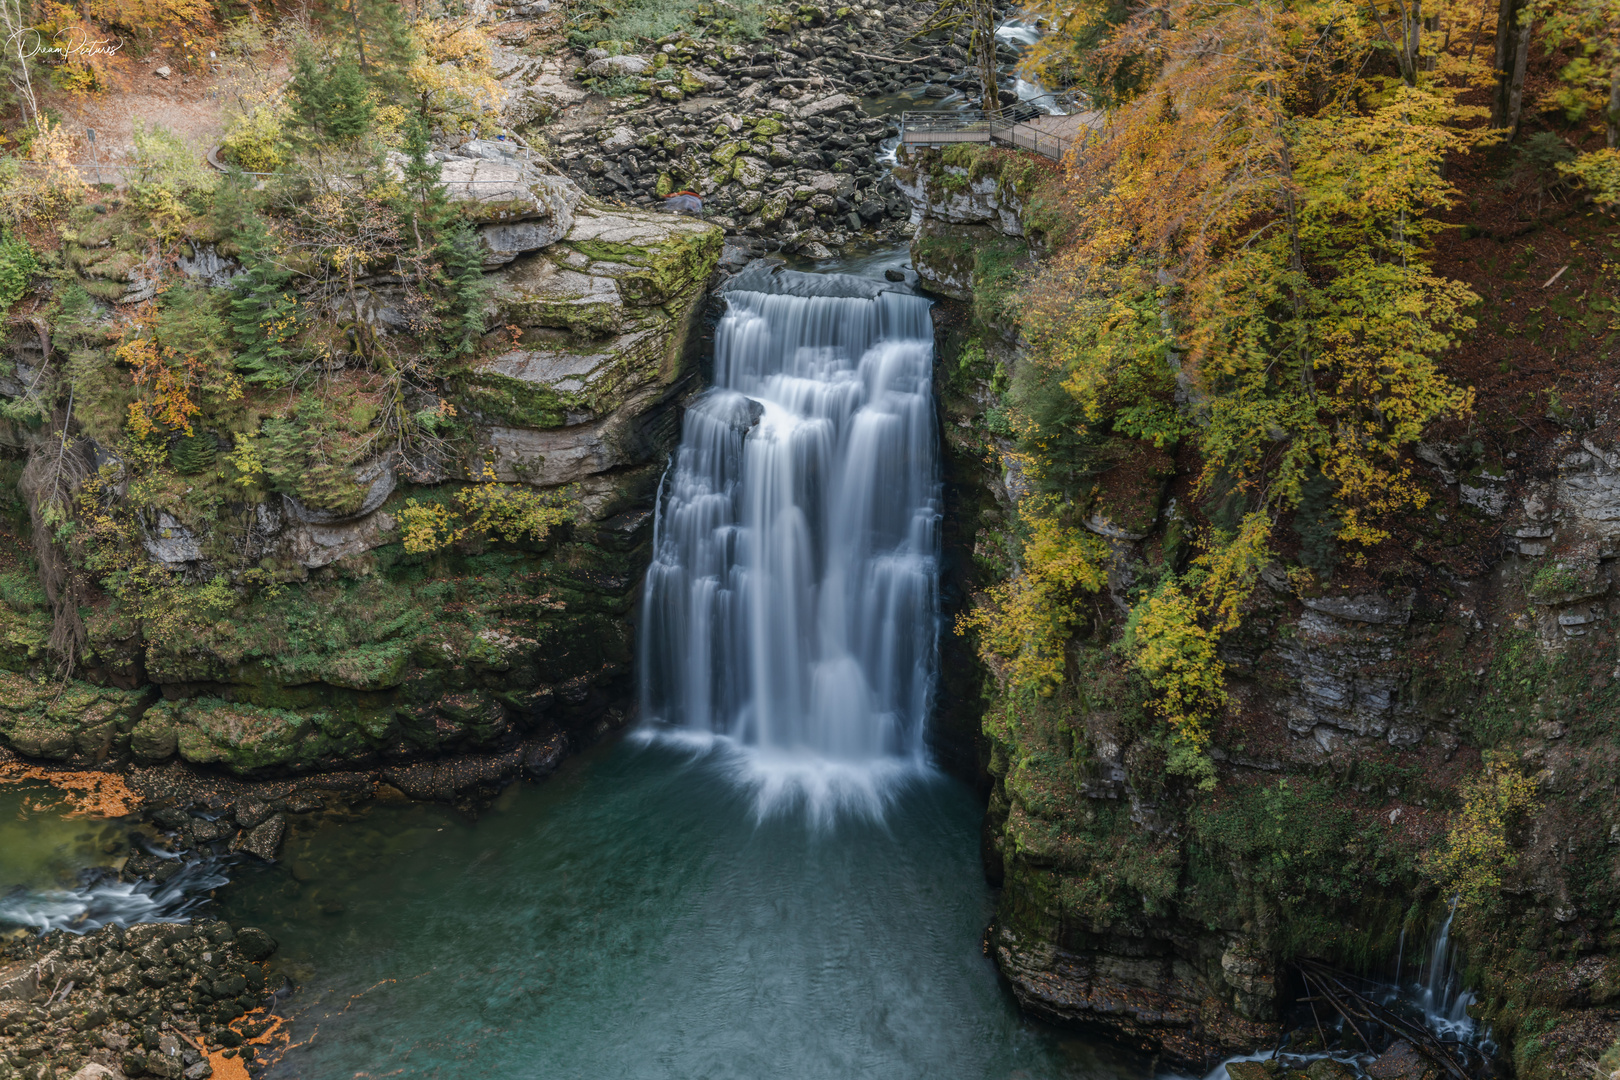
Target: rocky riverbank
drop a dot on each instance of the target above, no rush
(787, 139)
(162, 1000)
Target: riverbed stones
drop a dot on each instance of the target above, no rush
(727, 122)
(155, 1000)
(831, 104)
(751, 173)
(615, 66)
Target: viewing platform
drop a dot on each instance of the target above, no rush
(1022, 126)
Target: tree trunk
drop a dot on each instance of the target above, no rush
(1614, 90)
(1412, 40)
(984, 33)
(1507, 39)
(1521, 60)
(359, 38)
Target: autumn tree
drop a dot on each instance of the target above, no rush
(1250, 274)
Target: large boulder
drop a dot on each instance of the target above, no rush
(605, 319)
(508, 190)
(750, 172)
(68, 721)
(540, 293)
(655, 257)
(829, 105)
(610, 66)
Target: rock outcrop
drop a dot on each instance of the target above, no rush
(1360, 703)
(351, 658)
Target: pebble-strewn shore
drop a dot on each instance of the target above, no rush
(160, 999)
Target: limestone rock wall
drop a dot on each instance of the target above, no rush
(360, 653)
(1361, 702)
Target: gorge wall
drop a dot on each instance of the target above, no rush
(1367, 702)
(349, 649)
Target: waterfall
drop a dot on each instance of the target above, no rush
(1441, 996)
(790, 605)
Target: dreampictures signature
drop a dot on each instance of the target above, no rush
(69, 41)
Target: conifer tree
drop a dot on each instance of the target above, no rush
(381, 35)
(330, 100)
(448, 250)
(264, 309)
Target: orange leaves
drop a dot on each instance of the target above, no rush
(165, 380)
(148, 16)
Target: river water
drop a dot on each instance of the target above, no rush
(632, 917)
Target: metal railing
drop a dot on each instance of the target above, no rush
(1015, 125)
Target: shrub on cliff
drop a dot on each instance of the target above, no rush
(1478, 850)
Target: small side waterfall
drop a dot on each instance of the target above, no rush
(103, 899)
(1441, 996)
(790, 605)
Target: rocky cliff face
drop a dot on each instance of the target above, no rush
(356, 651)
(1364, 701)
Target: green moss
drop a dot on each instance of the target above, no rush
(674, 268)
(243, 738)
(57, 721)
(996, 270)
(1554, 579)
(515, 402)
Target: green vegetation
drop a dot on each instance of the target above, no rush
(180, 431)
(1266, 318)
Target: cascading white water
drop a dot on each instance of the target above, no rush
(107, 900)
(1442, 997)
(790, 605)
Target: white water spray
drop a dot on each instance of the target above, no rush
(106, 901)
(1442, 997)
(790, 605)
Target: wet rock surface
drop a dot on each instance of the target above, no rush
(156, 1000)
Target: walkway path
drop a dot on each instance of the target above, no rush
(1025, 129)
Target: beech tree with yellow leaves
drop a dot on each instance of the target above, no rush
(1250, 275)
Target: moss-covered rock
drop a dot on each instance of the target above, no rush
(59, 721)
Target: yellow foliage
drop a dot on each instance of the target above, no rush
(1178, 656)
(38, 192)
(511, 511)
(166, 379)
(1599, 173)
(166, 171)
(244, 459)
(1255, 277)
(157, 597)
(1174, 637)
(1477, 850)
(254, 139)
(148, 16)
(428, 527)
(453, 77)
(1024, 624)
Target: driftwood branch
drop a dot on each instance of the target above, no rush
(889, 59)
(1329, 985)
